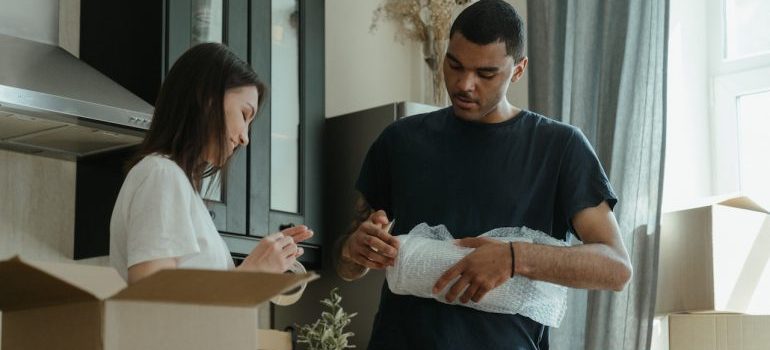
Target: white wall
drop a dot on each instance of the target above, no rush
(365, 69)
(687, 168)
(36, 20)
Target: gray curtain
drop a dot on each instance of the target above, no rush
(600, 65)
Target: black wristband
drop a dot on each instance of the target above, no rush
(513, 259)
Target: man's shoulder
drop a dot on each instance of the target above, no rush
(550, 123)
(551, 127)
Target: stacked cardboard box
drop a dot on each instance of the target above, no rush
(68, 306)
(714, 278)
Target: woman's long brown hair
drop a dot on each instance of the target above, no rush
(189, 113)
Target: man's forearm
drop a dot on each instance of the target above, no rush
(347, 269)
(588, 266)
(350, 271)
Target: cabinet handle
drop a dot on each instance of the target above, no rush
(213, 214)
(285, 226)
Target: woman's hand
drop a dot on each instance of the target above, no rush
(298, 233)
(276, 252)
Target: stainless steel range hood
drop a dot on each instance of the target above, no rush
(53, 104)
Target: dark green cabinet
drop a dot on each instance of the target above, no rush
(262, 217)
(136, 42)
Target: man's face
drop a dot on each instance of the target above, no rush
(477, 77)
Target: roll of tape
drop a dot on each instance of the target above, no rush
(291, 296)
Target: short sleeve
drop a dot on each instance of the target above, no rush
(374, 181)
(159, 222)
(582, 180)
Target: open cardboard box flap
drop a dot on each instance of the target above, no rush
(91, 308)
(208, 287)
(27, 285)
(743, 202)
(728, 200)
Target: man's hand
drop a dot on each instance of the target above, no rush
(370, 245)
(487, 267)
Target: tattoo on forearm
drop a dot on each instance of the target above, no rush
(362, 212)
(345, 269)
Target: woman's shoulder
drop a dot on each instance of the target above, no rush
(156, 166)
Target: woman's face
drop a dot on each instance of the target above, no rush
(240, 109)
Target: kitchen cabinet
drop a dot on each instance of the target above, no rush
(275, 181)
(135, 43)
(271, 26)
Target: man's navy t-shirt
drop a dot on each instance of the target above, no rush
(472, 177)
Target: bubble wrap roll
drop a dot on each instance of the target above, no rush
(427, 252)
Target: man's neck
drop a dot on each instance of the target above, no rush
(502, 113)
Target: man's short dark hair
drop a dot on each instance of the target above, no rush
(488, 21)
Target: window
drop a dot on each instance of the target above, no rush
(718, 135)
(740, 72)
(754, 144)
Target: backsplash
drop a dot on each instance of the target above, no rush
(37, 208)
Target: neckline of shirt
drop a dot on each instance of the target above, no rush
(485, 126)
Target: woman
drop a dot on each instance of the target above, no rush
(203, 114)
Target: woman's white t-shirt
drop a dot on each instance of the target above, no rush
(158, 214)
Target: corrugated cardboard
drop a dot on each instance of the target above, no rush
(713, 332)
(269, 339)
(715, 258)
(68, 306)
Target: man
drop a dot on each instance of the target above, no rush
(481, 164)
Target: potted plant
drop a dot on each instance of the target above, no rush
(328, 332)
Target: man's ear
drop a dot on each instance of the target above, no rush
(518, 69)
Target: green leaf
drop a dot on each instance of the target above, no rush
(326, 333)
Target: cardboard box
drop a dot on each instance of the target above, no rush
(715, 258)
(68, 306)
(713, 332)
(659, 339)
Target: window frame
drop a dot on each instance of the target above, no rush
(730, 78)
